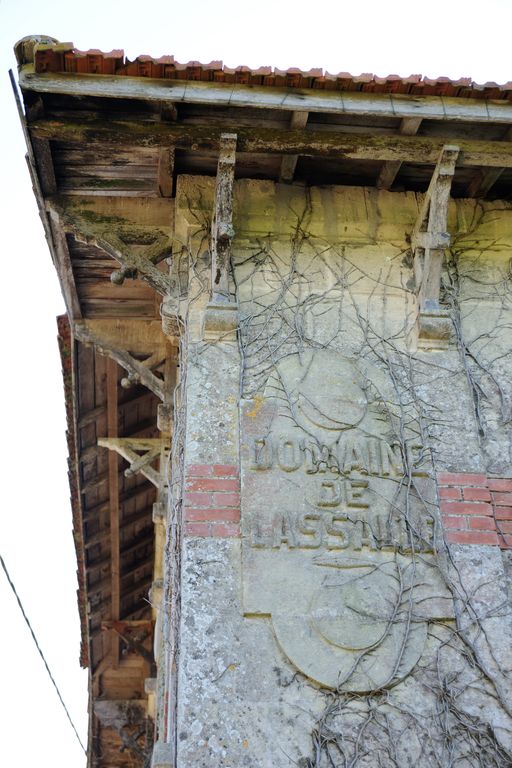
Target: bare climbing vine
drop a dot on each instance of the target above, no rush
(302, 294)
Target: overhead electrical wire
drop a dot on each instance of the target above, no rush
(11, 584)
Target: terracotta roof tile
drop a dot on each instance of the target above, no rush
(64, 58)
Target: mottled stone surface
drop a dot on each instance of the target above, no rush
(339, 620)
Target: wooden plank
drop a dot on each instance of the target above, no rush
(291, 99)
(45, 169)
(136, 336)
(324, 143)
(409, 126)
(136, 173)
(289, 162)
(113, 487)
(64, 267)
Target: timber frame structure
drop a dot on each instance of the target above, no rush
(106, 141)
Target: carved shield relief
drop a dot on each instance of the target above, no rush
(337, 521)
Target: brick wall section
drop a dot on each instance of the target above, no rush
(476, 509)
(211, 500)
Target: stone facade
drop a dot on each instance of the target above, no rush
(347, 493)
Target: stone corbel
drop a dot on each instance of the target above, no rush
(429, 240)
(140, 453)
(221, 315)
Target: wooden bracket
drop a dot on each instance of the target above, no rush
(430, 237)
(137, 249)
(140, 453)
(138, 371)
(221, 315)
(429, 240)
(222, 224)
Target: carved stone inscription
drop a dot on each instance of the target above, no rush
(337, 523)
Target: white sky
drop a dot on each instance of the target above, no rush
(453, 38)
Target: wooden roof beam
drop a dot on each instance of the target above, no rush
(113, 488)
(292, 99)
(289, 162)
(321, 143)
(409, 126)
(483, 181)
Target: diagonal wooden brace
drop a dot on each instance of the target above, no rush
(430, 237)
(140, 454)
(137, 370)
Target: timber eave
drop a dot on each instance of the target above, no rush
(479, 108)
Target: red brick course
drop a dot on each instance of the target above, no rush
(466, 508)
(450, 493)
(461, 478)
(199, 470)
(476, 509)
(502, 499)
(212, 500)
(229, 514)
(213, 484)
(503, 513)
(474, 494)
(459, 522)
(472, 537)
(206, 529)
(482, 523)
(499, 484)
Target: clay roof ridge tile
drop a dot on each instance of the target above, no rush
(116, 53)
(47, 57)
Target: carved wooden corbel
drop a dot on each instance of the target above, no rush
(429, 240)
(221, 316)
(138, 371)
(140, 453)
(138, 250)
